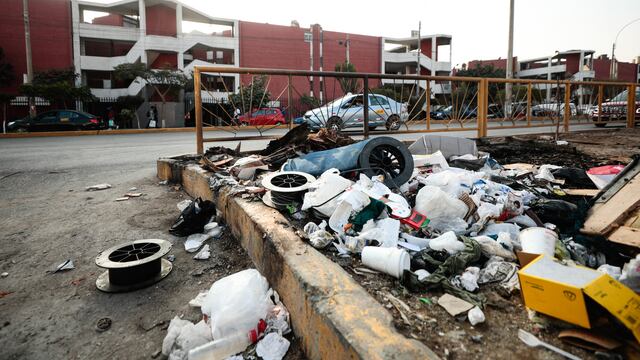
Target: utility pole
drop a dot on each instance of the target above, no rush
(308, 37)
(347, 44)
(27, 41)
(613, 71)
(508, 86)
(418, 51)
(321, 66)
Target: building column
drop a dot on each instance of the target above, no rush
(434, 48)
(75, 29)
(549, 78)
(142, 12)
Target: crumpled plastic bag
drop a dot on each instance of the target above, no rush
(504, 272)
(318, 236)
(195, 241)
(323, 193)
(445, 211)
(236, 303)
(272, 347)
(491, 248)
(631, 274)
(448, 242)
(468, 280)
(182, 336)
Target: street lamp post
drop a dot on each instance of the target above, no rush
(613, 73)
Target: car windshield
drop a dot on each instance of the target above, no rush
(623, 96)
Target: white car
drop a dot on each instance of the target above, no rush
(348, 111)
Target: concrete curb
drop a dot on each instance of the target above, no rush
(332, 314)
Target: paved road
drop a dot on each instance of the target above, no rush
(136, 152)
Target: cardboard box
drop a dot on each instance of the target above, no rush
(560, 291)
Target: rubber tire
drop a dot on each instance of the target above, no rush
(371, 128)
(401, 150)
(600, 125)
(334, 122)
(22, 130)
(393, 122)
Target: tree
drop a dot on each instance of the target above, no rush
(130, 104)
(165, 82)
(252, 95)
(348, 85)
(7, 75)
(309, 101)
(58, 87)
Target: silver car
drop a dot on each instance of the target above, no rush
(348, 111)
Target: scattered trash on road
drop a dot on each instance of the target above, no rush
(98, 187)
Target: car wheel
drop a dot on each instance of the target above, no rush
(371, 128)
(21, 130)
(334, 123)
(600, 125)
(393, 122)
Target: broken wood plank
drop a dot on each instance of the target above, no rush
(626, 236)
(602, 218)
(581, 192)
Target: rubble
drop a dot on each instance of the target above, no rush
(439, 216)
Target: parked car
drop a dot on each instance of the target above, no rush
(615, 109)
(57, 120)
(552, 109)
(348, 111)
(462, 113)
(263, 116)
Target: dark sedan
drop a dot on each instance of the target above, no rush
(57, 120)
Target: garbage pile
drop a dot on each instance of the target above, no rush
(238, 312)
(439, 215)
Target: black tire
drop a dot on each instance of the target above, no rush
(389, 157)
(393, 122)
(21, 130)
(334, 123)
(371, 128)
(600, 125)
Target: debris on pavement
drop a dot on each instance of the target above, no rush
(103, 324)
(238, 311)
(64, 266)
(98, 187)
(193, 218)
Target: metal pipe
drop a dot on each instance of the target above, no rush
(198, 104)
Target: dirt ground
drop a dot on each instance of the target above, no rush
(54, 316)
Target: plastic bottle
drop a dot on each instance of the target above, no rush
(228, 346)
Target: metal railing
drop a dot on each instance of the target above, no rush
(269, 101)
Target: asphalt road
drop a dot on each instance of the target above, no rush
(135, 153)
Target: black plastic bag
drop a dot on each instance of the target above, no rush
(193, 218)
(574, 177)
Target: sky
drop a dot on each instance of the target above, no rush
(479, 27)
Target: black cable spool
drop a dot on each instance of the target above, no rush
(133, 265)
(286, 188)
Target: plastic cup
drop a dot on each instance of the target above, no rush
(392, 261)
(538, 240)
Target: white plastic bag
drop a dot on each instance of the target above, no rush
(323, 193)
(447, 241)
(445, 211)
(236, 303)
(631, 274)
(183, 336)
(476, 316)
(468, 280)
(272, 347)
(194, 241)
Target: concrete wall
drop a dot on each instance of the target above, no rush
(161, 20)
(50, 36)
(627, 72)
(283, 47)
